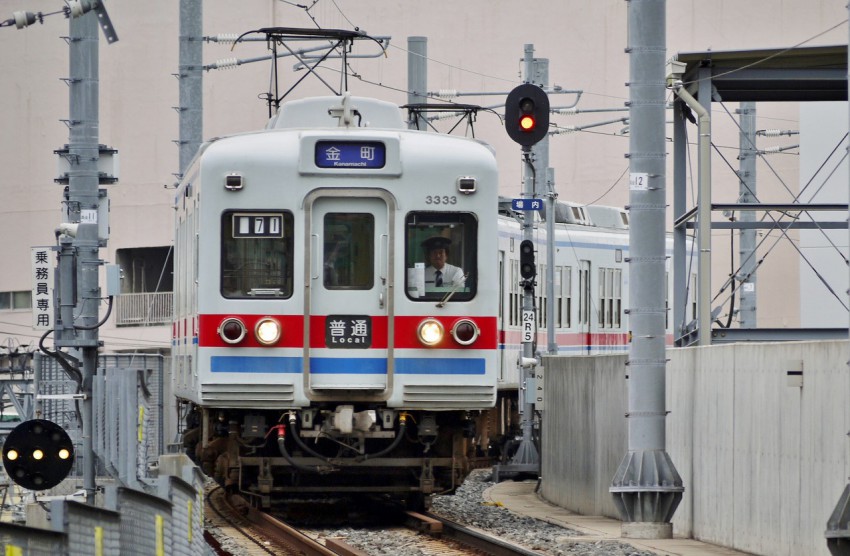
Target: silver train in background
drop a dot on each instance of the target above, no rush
(316, 347)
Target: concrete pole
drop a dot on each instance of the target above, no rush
(537, 72)
(79, 333)
(647, 488)
(191, 81)
(527, 459)
(417, 77)
(747, 188)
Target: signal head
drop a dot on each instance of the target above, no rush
(527, 114)
(527, 266)
(38, 454)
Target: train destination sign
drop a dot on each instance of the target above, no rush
(350, 154)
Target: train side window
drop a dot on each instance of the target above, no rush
(618, 297)
(349, 252)
(566, 291)
(441, 254)
(256, 254)
(515, 300)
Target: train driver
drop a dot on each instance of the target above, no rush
(439, 273)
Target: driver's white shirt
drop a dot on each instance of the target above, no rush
(452, 276)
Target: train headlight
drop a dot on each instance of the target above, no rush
(465, 332)
(430, 332)
(267, 331)
(232, 330)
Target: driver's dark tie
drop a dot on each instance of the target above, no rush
(438, 278)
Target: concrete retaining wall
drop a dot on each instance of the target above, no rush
(763, 460)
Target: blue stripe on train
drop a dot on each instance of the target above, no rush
(327, 365)
(341, 366)
(239, 364)
(429, 366)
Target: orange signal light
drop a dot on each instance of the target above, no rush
(527, 123)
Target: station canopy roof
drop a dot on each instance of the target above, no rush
(817, 73)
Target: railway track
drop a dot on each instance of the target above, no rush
(478, 542)
(250, 532)
(247, 531)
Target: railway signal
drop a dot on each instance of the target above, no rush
(38, 454)
(527, 114)
(527, 268)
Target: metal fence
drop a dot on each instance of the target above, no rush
(143, 309)
(128, 412)
(132, 522)
(156, 507)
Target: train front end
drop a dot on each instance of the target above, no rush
(336, 304)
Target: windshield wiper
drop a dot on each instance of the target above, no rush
(452, 291)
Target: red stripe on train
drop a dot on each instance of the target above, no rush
(509, 337)
(293, 331)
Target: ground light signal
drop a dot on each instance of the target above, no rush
(38, 454)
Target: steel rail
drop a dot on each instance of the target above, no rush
(471, 538)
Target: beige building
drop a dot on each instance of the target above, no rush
(474, 46)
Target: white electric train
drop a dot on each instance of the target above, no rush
(316, 347)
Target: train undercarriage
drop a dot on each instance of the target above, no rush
(343, 449)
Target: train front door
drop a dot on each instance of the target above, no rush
(348, 286)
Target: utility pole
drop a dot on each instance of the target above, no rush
(417, 78)
(537, 73)
(79, 238)
(78, 249)
(747, 194)
(190, 74)
(527, 123)
(647, 488)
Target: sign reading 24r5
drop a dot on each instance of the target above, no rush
(527, 326)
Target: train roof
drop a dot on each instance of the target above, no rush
(323, 112)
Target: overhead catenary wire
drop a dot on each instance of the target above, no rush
(784, 234)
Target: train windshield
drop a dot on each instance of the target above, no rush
(440, 256)
(256, 254)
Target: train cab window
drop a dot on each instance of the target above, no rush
(256, 254)
(440, 256)
(349, 252)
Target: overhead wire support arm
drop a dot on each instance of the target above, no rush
(302, 54)
(572, 111)
(227, 63)
(467, 112)
(451, 93)
(573, 128)
(342, 39)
